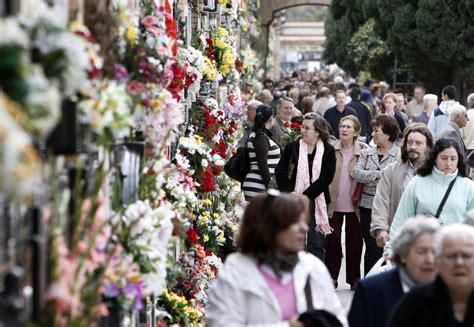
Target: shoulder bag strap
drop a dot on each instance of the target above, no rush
(307, 293)
(441, 205)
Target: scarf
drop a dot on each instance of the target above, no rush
(278, 261)
(405, 278)
(303, 182)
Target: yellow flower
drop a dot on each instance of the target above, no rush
(155, 104)
(222, 32)
(216, 216)
(133, 277)
(206, 238)
(198, 139)
(131, 34)
(206, 202)
(218, 43)
(112, 277)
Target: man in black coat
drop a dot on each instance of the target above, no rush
(363, 112)
(333, 115)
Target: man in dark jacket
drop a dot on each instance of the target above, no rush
(363, 112)
(333, 115)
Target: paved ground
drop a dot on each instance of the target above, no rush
(344, 290)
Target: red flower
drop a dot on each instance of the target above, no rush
(207, 181)
(287, 124)
(192, 237)
(209, 42)
(199, 40)
(296, 126)
(178, 81)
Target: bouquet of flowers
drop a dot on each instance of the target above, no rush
(191, 61)
(145, 234)
(293, 130)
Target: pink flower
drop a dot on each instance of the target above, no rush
(149, 21)
(100, 310)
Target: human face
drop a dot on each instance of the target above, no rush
(293, 238)
(461, 120)
(418, 94)
(251, 113)
(420, 259)
(400, 102)
(447, 160)
(346, 130)
(389, 104)
(416, 146)
(379, 137)
(285, 110)
(340, 99)
(456, 263)
(308, 133)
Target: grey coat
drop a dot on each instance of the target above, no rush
(453, 132)
(367, 171)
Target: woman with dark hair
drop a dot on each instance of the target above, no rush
(307, 167)
(368, 171)
(264, 154)
(271, 281)
(443, 175)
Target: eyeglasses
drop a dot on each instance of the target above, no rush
(453, 257)
(307, 128)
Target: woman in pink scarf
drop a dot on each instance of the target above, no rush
(307, 167)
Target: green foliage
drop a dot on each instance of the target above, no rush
(433, 38)
(369, 52)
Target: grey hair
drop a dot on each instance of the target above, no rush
(253, 104)
(461, 232)
(456, 110)
(429, 97)
(409, 232)
(470, 101)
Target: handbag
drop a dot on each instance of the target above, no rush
(238, 166)
(357, 194)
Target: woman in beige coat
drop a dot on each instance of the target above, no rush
(348, 150)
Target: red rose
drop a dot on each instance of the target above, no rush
(287, 124)
(192, 237)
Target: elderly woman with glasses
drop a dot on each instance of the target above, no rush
(272, 281)
(307, 167)
(348, 150)
(449, 299)
(376, 297)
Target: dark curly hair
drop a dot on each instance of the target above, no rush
(441, 145)
(389, 126)
(265, 217)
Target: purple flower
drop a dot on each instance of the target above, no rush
(111, 290)
(120, 72)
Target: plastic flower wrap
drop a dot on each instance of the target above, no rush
(108, 110)
(145, 235)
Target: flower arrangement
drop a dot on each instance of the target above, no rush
(218, 50)
(209, 226)
(145, 234)
(191, 61)
(107, 110)
(183, 311)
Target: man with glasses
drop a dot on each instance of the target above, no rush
(449, 299)
(282, 122)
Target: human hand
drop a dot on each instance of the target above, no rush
(382, 238)
(294, 322)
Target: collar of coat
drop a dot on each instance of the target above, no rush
(357, 146)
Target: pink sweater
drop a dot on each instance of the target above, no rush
(284, 292)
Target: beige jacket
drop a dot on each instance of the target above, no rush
(387, 196)
(334, 187)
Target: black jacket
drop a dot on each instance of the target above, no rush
(328, 168)
(430, 306)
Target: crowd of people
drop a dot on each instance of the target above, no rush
(396, 171)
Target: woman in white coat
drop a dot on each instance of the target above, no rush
(271, 281)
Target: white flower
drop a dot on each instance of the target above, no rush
(204, 163)
(218, 161)
(154, 282)
(12, 33)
